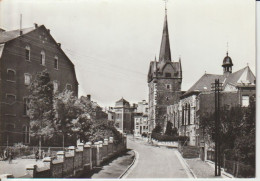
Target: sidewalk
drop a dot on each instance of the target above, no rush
(18, 166)
(202, 169)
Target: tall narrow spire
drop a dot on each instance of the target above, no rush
(165, 51)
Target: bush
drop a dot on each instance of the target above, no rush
(160, 137)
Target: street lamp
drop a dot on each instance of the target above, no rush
(217, 87)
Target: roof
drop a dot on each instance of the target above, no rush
(227, 61)
(122, 100)
(242, 76)
(165, 51)
(6, 36)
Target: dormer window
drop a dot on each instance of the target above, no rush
(56, 62)
(42, 58)
(27, 53)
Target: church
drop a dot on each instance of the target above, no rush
(164, 81)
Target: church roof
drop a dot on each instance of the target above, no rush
(165, 51)
(6, 36)
(243, 76)
(227, 61)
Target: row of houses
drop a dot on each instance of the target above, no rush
(167, 102)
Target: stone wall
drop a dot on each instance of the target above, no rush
(77, 161)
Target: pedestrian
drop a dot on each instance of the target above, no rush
(10, 156)
(37, 155)
(43, 154)
(5, 154)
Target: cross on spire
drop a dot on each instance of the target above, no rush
(227, 48)
(165, 1)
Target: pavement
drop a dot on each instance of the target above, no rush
(156, 162)
(18, 166)
(114, 168)
(164, 162)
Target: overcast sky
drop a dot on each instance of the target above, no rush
(111, 42)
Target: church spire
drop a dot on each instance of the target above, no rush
(165, 51)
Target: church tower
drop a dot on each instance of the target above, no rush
(164, 82)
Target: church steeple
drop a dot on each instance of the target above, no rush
(165, 51)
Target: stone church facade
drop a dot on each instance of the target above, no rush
(164, 82)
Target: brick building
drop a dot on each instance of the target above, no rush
(164, 82)
(200, 99)
(23, 53)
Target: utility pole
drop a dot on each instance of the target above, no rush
(217, 87)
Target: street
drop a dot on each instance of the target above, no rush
(155, 162)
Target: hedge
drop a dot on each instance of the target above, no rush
(159, 137)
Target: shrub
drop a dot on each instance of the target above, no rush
(160, 137)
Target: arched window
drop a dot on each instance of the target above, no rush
(10, 75)
(27, 53)
(55, 86)
(182, 116)
(185, 118)
(189, 114)
(56, 62)
(27, 79)
(42, 58)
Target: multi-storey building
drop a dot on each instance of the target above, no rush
(141, 124)
(200, 99)
(124, 115)
(164, 82)
(23, 53)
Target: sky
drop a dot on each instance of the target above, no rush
(111, 42)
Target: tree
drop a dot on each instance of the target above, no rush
(41, 106)
(67, 109)
(168, 130)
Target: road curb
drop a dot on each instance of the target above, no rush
(183, 161)
(126, 172)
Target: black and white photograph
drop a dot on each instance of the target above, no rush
(129, 89)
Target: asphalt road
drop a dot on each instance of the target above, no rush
(155, 162)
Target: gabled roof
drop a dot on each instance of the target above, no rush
(240, 77)
(6, 36)
(122, 100)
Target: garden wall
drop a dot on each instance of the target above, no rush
(76, 161)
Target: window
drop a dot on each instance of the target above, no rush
(168, 74)
(42, 58)
(55, 86)
(56, 62)
(137, 127)
(168, 86)
(10, 75)
(69, 87)
(188, 114)
(10, 98)
(27, 53)
(182, 116)
(25, 106)
(27, 79)
(245, 101)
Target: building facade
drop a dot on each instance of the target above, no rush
(164, 82)
(23, 53)
(200, 99)
(124, 116)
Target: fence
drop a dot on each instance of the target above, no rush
(236, 168)
(76, 161)
(29, 151)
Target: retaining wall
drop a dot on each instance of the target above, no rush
(77, 160)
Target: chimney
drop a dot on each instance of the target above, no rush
(48, 30)
(35, 25)
(21, 32)
(59, 44)
(89, 97)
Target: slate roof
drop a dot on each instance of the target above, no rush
(6, 36)
(165, 51)
(240, 77)
(122, 100)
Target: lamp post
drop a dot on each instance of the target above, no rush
(217, 87)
